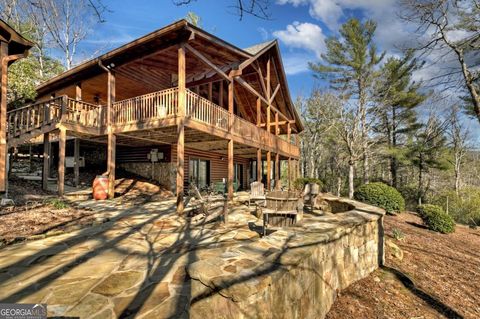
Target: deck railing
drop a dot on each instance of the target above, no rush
(33, 116)
(203, 110)
(157, 105)
(83, 113)
(60, 109)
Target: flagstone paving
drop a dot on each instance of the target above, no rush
(148, 262)
(132, 265)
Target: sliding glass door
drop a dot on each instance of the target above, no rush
(199, 172)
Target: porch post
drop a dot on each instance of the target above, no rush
(259, 150)
(112, 140)
(46, 160)
(259, 165)
(277, 156)
(180, 128)
(76, 157)
(230, 140)
(289, 169)
(269, 167)
(62, 139)
(3, 115)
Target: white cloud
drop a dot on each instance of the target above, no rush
(296, 63)
(305, 35)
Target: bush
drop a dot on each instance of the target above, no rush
(464, 207)
(381, 195)
(435, 218)
(299, 183)
(57, 203)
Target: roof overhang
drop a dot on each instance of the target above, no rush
(17, 44)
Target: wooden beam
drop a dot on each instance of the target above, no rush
(277, 171)
(202, 58)
(269, 104)
(259, 165)
(277, 131)
(181, 128)
(246, 63)
(230, 141)
(62, 139)
(259, 112)
(250, 88)
(289, 173)
(269, 170)
(111, 144)
(76, 158)
(46, 160)
(279, 123)
(274, 93)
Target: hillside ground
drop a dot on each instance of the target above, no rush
(438, 277)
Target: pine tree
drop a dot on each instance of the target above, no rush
(397, 98)
(350, 65)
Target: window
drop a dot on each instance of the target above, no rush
(199, 172)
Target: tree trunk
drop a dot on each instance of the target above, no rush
(393, 171)
(339, 186)
(420, 180)
(350, 179)
(457, 178)
(366, 167)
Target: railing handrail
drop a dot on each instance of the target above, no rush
(143, 96)
(36, 103)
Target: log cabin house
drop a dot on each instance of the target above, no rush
(212, 111)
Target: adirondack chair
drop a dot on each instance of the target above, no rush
(310, 192)
(281, 210)
(257, 193)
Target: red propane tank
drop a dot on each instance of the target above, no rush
(100, 187)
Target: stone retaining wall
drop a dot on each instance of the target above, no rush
(294, 273)
(163, 172)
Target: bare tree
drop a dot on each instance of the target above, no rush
(256, 8)
(459, 143)
(450, 26)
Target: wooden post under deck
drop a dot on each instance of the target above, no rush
(180, 128)
(3, 116)
(269, 164)
(259, 165)
(62, 139)
(112, 140)
(76, 159)
(289, 167)
(76, 148)
(46, 160)
(259, 151)
(277, 156)
(230, 141)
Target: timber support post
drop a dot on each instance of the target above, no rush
(181, 128)
(76, 159)
(62, 139)
(230, 140)
(46, 160)
(112, 140)
(259, 165)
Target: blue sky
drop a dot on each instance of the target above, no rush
(131, 19)
(300, 25)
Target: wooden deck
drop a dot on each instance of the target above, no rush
(140, 117)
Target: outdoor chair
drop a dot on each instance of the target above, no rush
(281, 210)
(309, 194)
(257, 193)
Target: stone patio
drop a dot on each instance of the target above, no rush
(147, 262)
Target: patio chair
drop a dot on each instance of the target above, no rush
(309, 194)
(281, 210)
(257, 193)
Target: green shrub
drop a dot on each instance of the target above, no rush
(381, 195)
(299, 183)
(464, 207)
(435, 218)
